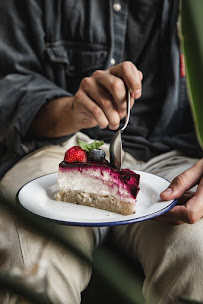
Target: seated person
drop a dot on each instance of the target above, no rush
(64, 69)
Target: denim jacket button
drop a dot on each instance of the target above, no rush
(112, 61)
(117, 7)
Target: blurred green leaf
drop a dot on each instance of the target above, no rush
(113, 272)
(192, 44)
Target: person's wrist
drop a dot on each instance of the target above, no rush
(69, 120)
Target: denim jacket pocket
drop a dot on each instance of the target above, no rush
(79, 58)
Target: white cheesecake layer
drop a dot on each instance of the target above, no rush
(93, 181)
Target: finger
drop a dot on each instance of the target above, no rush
(186, 197)
(183, 182)
(194, 206)
(177, 215)
(130, 75)
(199, 191)
(88, 112)
(103, 99)
(114, 85)
(172, 217)
(190, 212)
(140, 75)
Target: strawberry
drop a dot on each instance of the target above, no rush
(75, 154)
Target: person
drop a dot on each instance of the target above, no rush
(64, 69)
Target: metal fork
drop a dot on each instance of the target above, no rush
(115, 149)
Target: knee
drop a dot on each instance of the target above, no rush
(188, 242)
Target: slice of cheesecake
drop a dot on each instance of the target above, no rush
(96, 184)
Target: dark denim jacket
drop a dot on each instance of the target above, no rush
(48, 46)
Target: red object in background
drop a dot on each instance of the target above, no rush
(182, 65)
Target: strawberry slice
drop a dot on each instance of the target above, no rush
(75, 154)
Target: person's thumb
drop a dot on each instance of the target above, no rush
(182, 183)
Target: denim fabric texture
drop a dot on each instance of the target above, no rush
(47, 47)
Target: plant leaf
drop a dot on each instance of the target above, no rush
(192, 44)
(88, 147)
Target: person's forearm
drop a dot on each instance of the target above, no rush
(55, 119)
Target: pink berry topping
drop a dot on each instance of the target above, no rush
(75, 154)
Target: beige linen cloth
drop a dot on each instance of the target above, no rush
(171, 256)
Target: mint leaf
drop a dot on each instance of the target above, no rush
(96, 144)
(88, 147)
(83, 145)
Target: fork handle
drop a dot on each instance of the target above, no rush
(128, 112)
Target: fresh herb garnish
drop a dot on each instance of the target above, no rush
(88, 147)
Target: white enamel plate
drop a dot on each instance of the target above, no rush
(37, 196)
